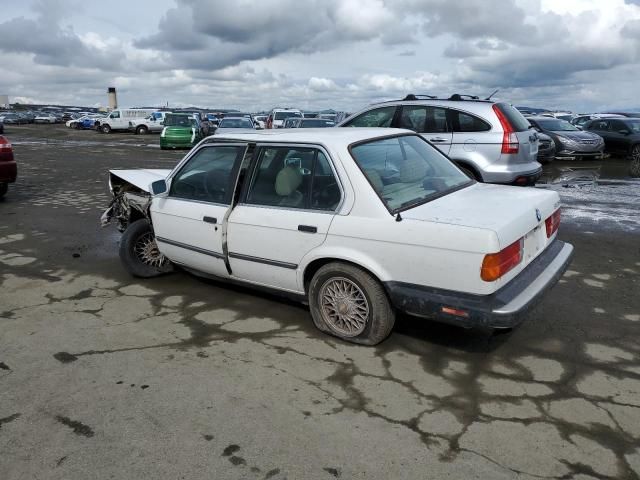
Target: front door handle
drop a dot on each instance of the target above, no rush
(437, 140)
(308, 228)
(210, 219)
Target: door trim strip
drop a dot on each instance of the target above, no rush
(190, 247)
(266, 261)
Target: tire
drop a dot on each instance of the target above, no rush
(132, 249)
(105, 128)
(369, 329)
(634, 152)
(142, 130)
(634, 168)
(469, 173)
(3, 189)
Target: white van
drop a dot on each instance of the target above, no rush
(119, 119)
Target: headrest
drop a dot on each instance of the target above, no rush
(375, 179)
(288, 181)
(412, 170)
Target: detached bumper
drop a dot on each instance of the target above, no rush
(503, 309)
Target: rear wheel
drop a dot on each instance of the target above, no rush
(105, 128)
(139, 252)
(634, 168)
(142, 130)
(469, 173)
(634, 152)
(347, 302)
(3, 189)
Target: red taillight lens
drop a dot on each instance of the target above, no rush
(496, 265)
(552, 223)
(5, 146)
(510, 142)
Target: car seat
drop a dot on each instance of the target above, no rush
(287, 182)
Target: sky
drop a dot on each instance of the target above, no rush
(580, 55)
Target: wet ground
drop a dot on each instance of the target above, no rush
(106, 376)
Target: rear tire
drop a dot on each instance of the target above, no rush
(634, 168)
(3, 189)
(634, 152)
(139, 252)
(469, 173)
(349, 303)
(105, 128)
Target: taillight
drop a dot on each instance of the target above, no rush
(510, 142)
(552, 223)
(495, 265)
(5, 146)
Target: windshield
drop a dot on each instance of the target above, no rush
(179, 121)
(556, 125)
(235, 123)
(283, 115)
(634, 125)
(406, 171)
(316, 123)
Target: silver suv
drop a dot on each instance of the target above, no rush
(491, 142)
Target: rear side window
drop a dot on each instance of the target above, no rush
(423, 119)
(598, 125)
(378, 117)
(517, 121)
(464, 122)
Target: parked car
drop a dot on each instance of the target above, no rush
(580, 120)
(279, 115)
(1, 125)
(181, 130)
(119, 119)
(8, 167)
(621, 135)
(13, 119)
(83, 122)
(235, 124)
(261, 120)
(154, 123)
(308, 123)
(571, 142)
(546, 149)
(492, 142)
(45, 118)
(358, 222)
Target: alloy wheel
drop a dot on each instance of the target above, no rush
(344, 306)
(146, 249)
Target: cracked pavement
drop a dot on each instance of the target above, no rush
(106, 376)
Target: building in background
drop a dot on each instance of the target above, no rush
(113, 99)
(4, 101)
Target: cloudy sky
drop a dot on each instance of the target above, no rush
(583, 55)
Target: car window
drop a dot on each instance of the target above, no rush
(378, 117)
(406, 171)
(206, 177)
(294, 177)
(617, 125)
(423, 119)
(465, 122)
(598, 125)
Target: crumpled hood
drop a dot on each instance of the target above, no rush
(508, 211)
(141, 178)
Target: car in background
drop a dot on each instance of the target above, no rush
(626, 114)
(621, 135)
(571, 142)
(1, 126)
(308, 123)
(491, 142)
(261, 120)
(14, 119)
(45, 118)
(8, 167)
(580, 120)
(235, 125)
(82, 121)
(358, 223)
(154, 123)
(279, 115)
(546, 149)
(181, 130)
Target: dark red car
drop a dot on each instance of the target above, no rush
(8, 167)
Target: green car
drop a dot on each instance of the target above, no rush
(180, 131)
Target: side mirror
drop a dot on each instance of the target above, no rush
(159, 188)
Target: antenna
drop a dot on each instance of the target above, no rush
(489, 97)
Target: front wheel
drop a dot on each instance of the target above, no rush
(105, 128)
(3, 189)
(142, 130)
(139, 252)
(347, 302)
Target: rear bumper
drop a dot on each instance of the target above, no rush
(503, 309)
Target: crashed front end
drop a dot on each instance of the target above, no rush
(131, 197)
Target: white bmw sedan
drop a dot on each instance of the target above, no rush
(359, 223)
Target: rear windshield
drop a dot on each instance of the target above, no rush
(235, 123)
(179, 121)
(283, 115)
(406, 171)
(517, 121)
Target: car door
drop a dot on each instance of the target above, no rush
(620, 142)
(189, 222)
(284, 213)
(601, 127)
(430, 122)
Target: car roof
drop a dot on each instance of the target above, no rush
(343, 136)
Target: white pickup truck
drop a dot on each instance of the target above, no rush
(119, 119)
(154, 123)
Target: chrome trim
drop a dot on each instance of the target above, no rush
(266, 261)
(190, 247)
(538, 285)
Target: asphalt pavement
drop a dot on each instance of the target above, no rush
(105, 376)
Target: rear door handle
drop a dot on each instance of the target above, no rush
(210, 219)
(308, 228)
(437, 140)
